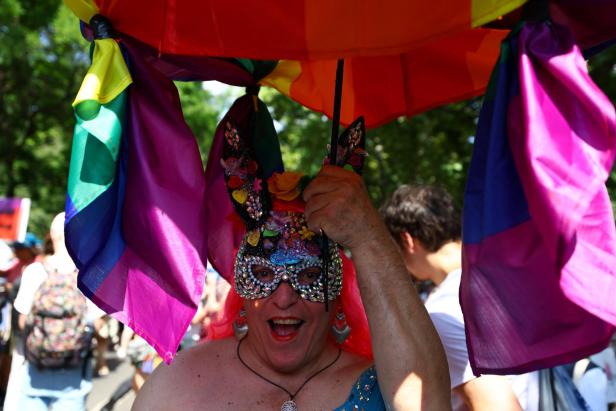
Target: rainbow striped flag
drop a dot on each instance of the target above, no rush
(135, 207)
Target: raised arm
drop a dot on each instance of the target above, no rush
(408, 354)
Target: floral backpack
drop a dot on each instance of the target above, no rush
(57, 334)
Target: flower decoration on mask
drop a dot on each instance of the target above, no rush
(306, 234)
(278, 245)
(285, 186)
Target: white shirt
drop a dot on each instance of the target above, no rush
(606, 359)
(31, 279)
(593, 388)
(443, 305)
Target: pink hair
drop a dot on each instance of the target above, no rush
(358, 342)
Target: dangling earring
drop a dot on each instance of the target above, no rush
(240, 326)
(340, 329)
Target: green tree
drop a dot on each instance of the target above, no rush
(602, 68)
(202, 110)
(432, 147)
(42, 62)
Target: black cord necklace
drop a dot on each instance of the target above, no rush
(290, 404)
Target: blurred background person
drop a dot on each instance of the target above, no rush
(126, 335)
(25, 253)
(212, 301)
(22, 255)
(106, 330)
(145, 360)
(57, 372)
(426, 225)
(5, 338)
(594, 378)
(6, 260)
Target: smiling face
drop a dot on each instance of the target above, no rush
(286, 331)
(280, 277)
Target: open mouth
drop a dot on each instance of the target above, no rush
(285, 328)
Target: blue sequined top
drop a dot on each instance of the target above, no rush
(365, 394)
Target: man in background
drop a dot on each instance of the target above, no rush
(426, 225)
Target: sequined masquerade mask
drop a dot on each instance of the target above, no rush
(278, 246)
(288, 252)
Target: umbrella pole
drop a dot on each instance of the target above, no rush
(333, 152)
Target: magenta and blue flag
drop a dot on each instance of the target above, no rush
(539, 241)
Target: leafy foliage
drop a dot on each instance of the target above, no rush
(199, 112)
(42, 63)
(433, 147)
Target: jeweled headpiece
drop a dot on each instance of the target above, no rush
(278, 246)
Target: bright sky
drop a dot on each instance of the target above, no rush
(221, 89)
(216, 87)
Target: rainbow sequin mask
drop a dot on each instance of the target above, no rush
(278, 246)
(287, 252)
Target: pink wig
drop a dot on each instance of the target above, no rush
(358, 343)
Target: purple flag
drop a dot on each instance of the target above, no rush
(539, 257)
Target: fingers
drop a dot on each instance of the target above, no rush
(331, 179)
(317, 202)
(317, 212)
(335, 201)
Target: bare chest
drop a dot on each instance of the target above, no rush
(229, 394)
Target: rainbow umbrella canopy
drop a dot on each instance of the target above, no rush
(143, 217)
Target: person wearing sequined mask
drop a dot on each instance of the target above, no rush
(313, 330)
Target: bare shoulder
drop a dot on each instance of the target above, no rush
(194, 374)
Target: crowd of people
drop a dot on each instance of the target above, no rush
(271, 335)
(54, 341)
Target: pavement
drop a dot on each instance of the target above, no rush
(117, 381)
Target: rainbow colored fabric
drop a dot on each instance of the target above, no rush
(393, 66)
(539, 253)
(138, 222)
(142, 216)
(299, 30)
(136, 191)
